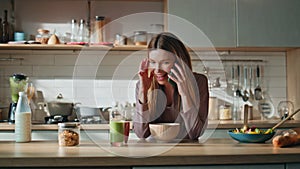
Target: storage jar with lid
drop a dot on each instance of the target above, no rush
(98, 29)
(43, 36)
(140, 38)
(68, 134)
(225, 112)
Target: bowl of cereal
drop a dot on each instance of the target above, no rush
(164, 131)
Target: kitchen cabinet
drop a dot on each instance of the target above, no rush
(268, 23)
(293, 79)
(293, 166)
(121, 16)
(239, 23)
(215, 153)
(244, 166)
(215, 18)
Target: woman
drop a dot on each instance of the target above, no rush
(168, 91)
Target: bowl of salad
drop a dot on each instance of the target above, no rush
(251, 135)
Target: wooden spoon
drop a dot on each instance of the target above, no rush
(245, 127)
(281, 122)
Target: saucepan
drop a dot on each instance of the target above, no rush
(92, 115)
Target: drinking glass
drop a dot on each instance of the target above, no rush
(30, 91)
(285, 108)
(118, 127)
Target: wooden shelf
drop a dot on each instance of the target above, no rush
(133, 48)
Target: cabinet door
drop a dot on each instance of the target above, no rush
(268, 23)
(292, 165)
(215, 18)
(245, 166)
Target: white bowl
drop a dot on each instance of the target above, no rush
(164, 131)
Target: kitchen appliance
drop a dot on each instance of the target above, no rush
(18, 83)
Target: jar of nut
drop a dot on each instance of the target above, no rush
(68, 134)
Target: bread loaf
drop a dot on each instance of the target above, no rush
(53, 40)
(287, 138)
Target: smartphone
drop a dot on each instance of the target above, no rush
(170, 80)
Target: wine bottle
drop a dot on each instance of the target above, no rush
(1, 30)
(5, 28)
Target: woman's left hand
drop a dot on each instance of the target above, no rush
(182, 79)
(179, 77)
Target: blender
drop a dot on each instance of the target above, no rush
(18, 83)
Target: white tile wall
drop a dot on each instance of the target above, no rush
(52, 72)
(273, 72)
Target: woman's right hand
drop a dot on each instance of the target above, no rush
(145, 79)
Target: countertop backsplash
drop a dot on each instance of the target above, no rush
(52, 72)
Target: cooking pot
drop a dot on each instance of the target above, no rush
(59, 112)
(60, 108)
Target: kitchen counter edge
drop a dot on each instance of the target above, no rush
(212, 124)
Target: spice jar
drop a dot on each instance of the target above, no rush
(140, 38)
(68, 134)
(225, 112)
(99, 24)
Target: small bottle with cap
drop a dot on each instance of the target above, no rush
(74, 28)
(81, 31)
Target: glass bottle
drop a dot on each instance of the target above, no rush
(81, 31)
(74, 28)
(5, 28)
(23, 119)
(1, 30)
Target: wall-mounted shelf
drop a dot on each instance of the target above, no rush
(10, 59)
(131, 47)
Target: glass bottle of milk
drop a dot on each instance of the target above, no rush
(23, 119)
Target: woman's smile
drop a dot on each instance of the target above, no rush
(161, 77)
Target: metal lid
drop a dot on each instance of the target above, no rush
(69, 125)
(19, 76)
(140, 32)
(100, 18)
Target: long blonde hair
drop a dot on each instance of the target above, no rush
(171, 43)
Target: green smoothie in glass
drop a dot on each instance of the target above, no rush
(116, 133)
